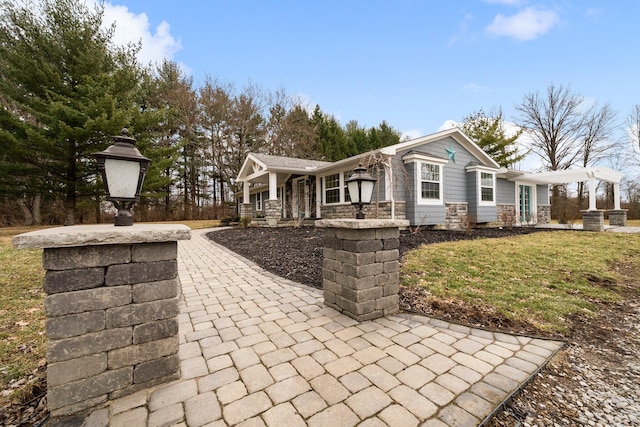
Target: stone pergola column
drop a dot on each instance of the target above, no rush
(361, 266)
(111, 311)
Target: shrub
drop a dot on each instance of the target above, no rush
(245, 221)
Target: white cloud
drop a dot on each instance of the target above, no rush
(527, 24)
(475, 88)
(157, 44)
(448, 124)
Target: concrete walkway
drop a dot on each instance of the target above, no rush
(260, 350)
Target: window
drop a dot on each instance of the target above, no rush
(486, 187)
(430, 181)
(429, 178)
(258, 201)
(345, 176)
(332, 188)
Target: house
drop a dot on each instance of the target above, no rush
(443, 179)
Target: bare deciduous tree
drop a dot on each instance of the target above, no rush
(554, 124)
(595, 141)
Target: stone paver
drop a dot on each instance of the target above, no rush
(260, 350)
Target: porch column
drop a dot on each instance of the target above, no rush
(616, 196)
(592, 194)
(318, 198)
(245, 192)
(273, 186)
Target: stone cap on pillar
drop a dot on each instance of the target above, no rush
(93, 235)
(362, 224)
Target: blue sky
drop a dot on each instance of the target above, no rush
(415, 64)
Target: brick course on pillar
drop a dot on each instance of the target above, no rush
(361, 266)
(111, 311)
(593, 220)
(618, 217)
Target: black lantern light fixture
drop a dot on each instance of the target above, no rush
(123, 169)
(360, 186)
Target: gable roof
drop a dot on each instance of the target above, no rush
(258, 164)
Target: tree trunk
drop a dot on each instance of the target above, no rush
(26, 212)
(36, 209)
(70, 206)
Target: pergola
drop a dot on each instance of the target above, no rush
(590, 175)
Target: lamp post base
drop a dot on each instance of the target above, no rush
(123, 218)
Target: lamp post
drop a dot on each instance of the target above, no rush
(123, 169)
(360, 186)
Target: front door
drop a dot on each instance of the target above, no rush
(525, 204)
(300, 199)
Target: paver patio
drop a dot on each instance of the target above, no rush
(260, 350)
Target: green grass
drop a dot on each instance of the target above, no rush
(542, 278)
(22, 340)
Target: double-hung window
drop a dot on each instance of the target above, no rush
(430, 181)
(485, 182)
(345, 176)
(429, 178)
(487, 188)
(332, 188)
(258, 201)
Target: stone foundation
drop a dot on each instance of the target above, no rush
(618, 217)
(456, 216)
(111, 311)
(544, 214)
(361, 267)
(348, 211)
(593, 220)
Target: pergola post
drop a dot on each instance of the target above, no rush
(592, 193)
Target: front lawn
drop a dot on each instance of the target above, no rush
(542, 278)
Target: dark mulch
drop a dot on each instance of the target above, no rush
(296, 254)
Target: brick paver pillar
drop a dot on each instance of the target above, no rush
(360, 267)
(593, 220)
(111, 311)
(618, 217)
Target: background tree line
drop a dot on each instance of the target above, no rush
(65, 89)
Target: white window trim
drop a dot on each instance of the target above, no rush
(479, 170)
(420, 159)
(341, 186)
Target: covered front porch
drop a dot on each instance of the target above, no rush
(279, 190)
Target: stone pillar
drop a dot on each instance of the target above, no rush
(272, 212)
(593, 220)
(111, 311)
(360, 268)
(618, 217)
(246, 210)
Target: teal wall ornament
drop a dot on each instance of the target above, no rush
(451, 154)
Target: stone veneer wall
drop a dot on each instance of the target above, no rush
(111, 316)
(544, 214)
(361, 267)
(456, 216)
(383, 211)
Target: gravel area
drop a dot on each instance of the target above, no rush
(594, 381)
